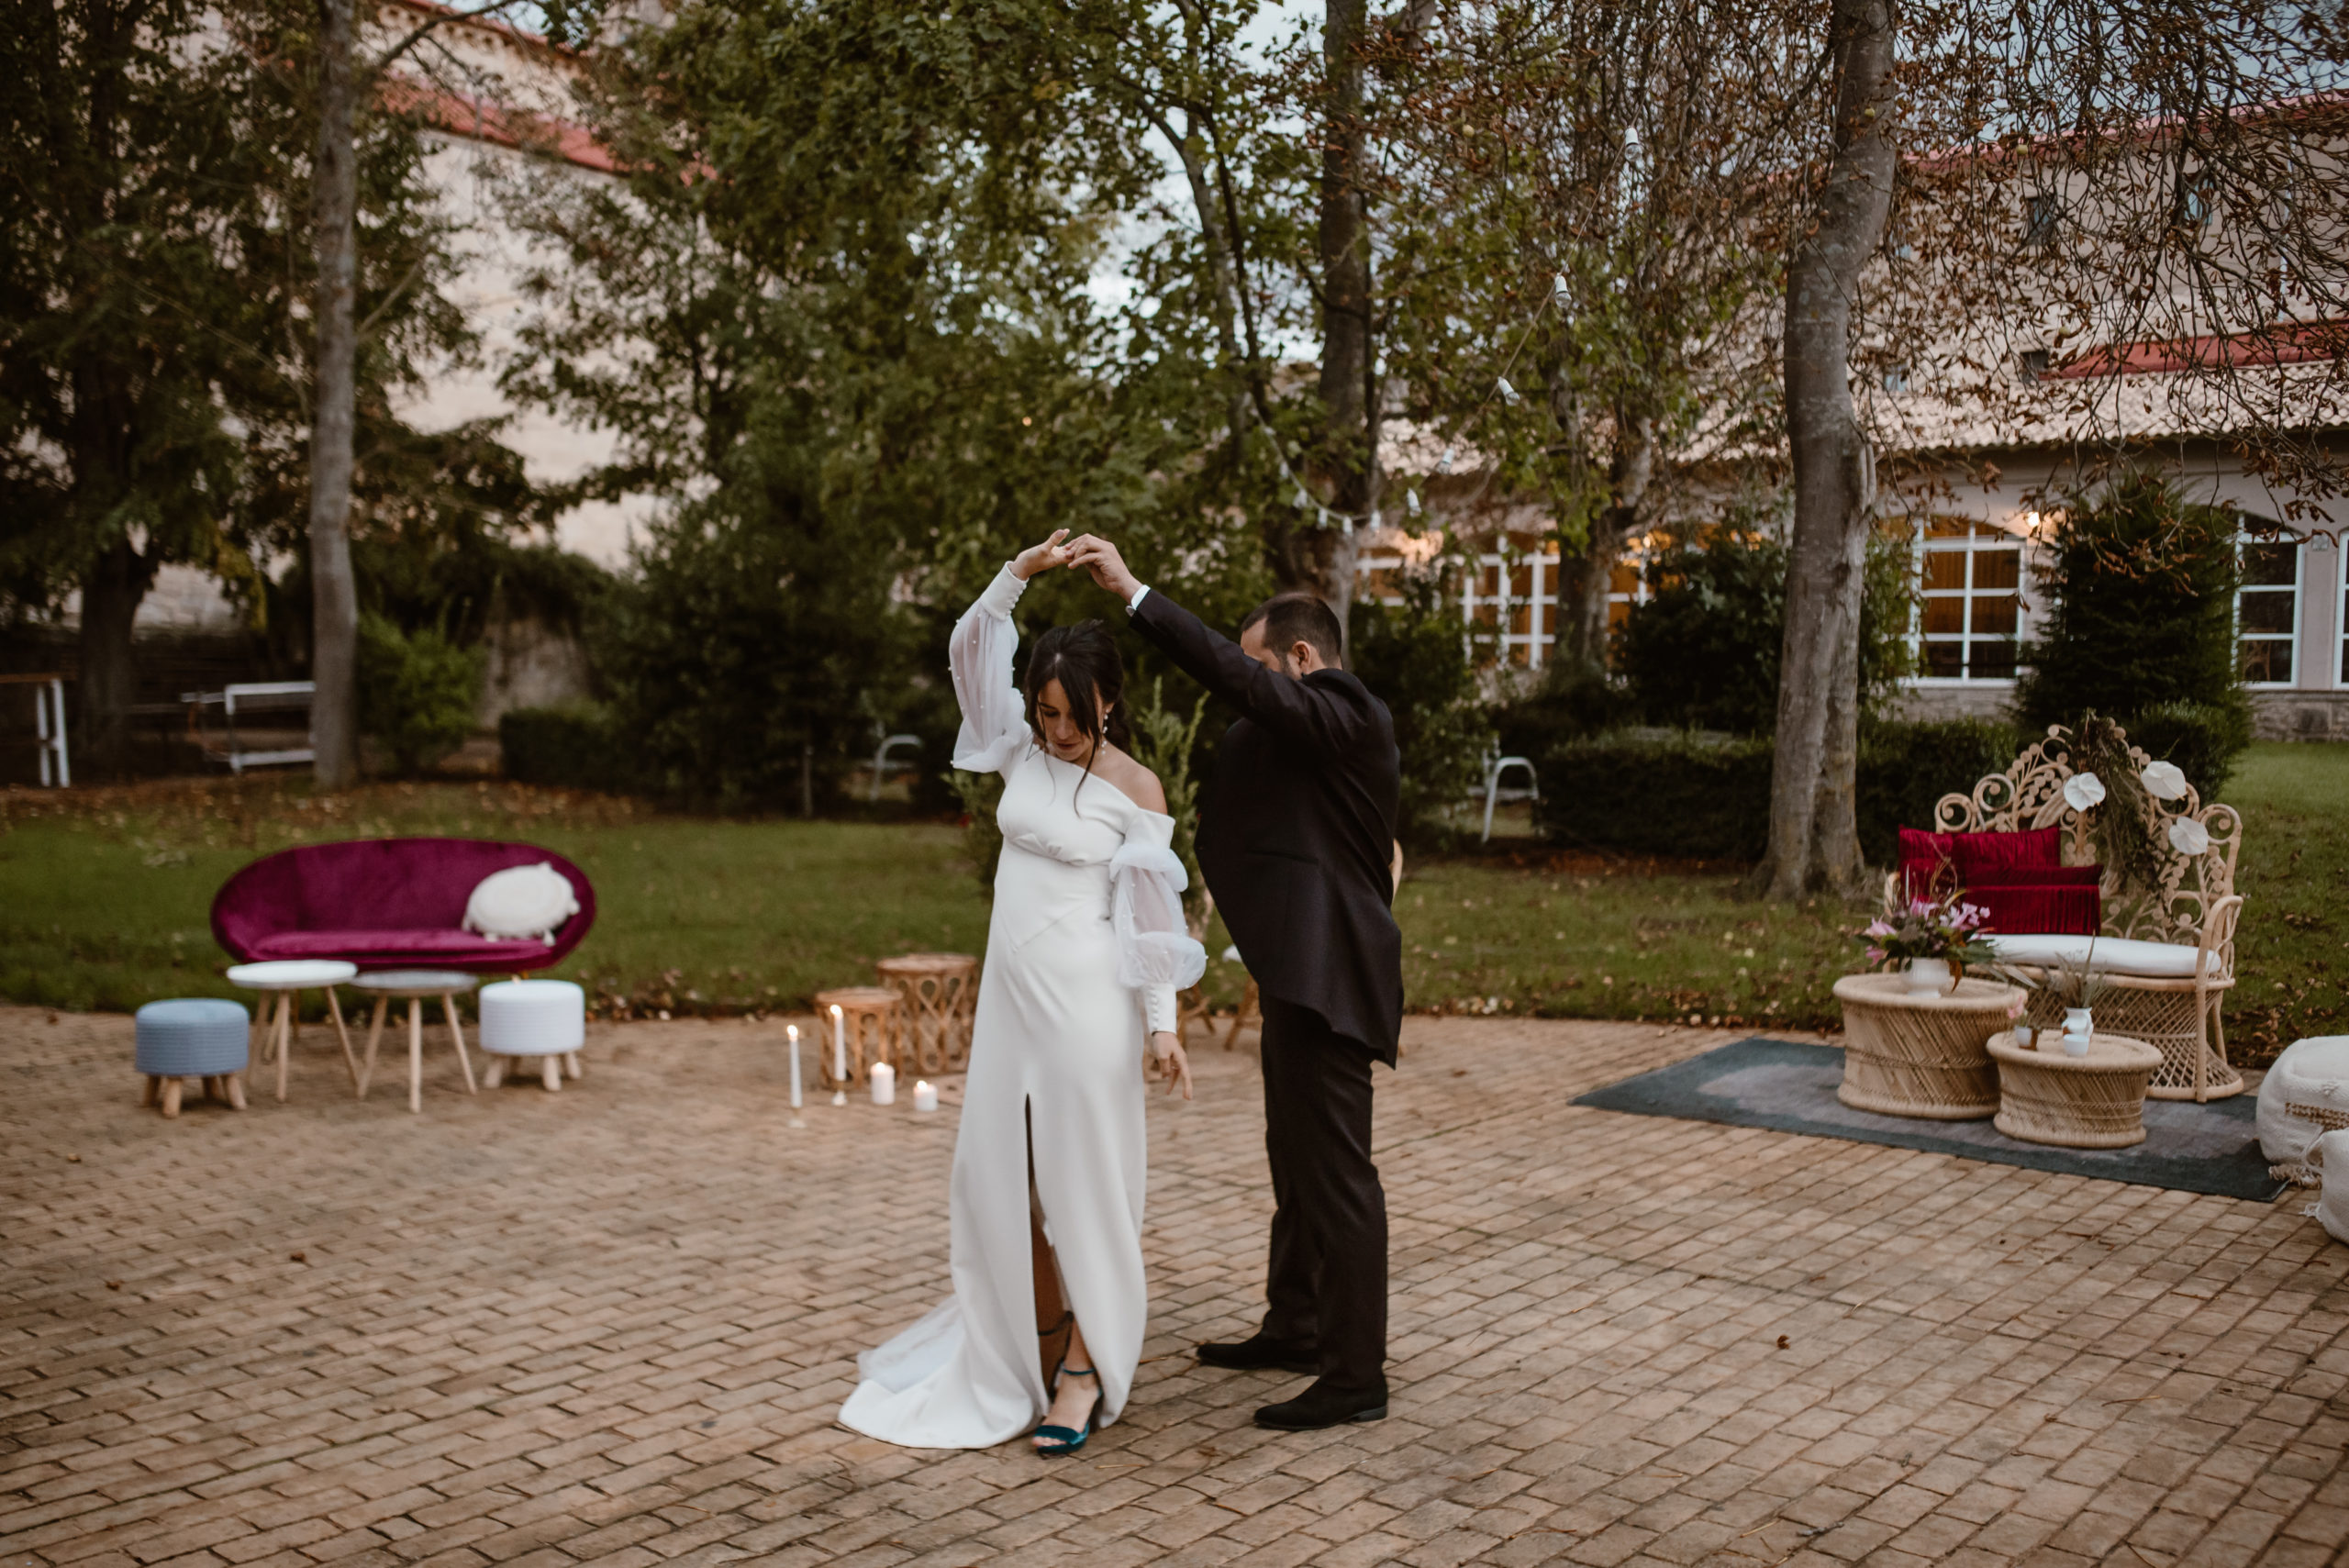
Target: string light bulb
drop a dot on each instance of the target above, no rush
(1411, 497)
(1509, 393)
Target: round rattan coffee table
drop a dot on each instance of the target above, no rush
(1922, 1054)
(2097, 1101)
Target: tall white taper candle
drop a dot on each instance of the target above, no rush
(840, 1057)
(793, 1030)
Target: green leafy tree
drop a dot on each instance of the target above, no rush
(418, 691)
(1703, 651)
(2140, 625)
(839, 317)
(155, 394)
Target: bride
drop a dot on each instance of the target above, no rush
(1085, 951)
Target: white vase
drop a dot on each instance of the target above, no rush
(1927, 974)
(2079, 1029)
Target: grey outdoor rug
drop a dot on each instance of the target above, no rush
(1788, 1085)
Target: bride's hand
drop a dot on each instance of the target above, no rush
(1172, 1063)
(1039, 558)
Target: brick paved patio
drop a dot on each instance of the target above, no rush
(612, 1326)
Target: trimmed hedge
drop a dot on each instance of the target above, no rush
(569, 748)
(1652, 793)
(1679, 794)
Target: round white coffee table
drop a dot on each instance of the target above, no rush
(417, 986)
(283, 978)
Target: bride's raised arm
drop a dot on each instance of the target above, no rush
(994, 719)
(1155, 952)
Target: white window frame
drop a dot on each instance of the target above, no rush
(2339, 653)
(1541, 636)
(2291, 639)
(1981, 537)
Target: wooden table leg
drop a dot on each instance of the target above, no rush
(494, 1074)
(342, 1033)
(550, 1073)
(170, 1097)
(284, 1039)
(236, 1082)
(570, 1060)
(457, 1033)
(416, 1053)
(374, 1037)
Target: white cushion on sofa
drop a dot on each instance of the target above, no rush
(521, 901)
(2114, 955)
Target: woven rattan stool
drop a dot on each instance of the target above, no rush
(2097, 1101)
(870, 1020)
(938, 997)
(1922, 1054)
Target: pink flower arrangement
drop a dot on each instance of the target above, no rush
(1944, 928)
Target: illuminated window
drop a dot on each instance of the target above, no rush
(2267, 609)
(1969, 611)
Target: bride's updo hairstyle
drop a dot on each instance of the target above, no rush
(1083, 659)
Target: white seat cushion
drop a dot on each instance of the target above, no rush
(2113, 955)
(521, 902)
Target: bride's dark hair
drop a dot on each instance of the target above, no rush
(1083, 659)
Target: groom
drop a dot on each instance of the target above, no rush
(1296, 835)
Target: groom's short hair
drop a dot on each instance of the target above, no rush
(1291, 618)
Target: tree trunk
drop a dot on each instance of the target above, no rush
(1814, 829)
(334, 597)
(1320, 559)
(107, 681)
(1586, 579)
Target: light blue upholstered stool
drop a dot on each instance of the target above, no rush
(194, 1037)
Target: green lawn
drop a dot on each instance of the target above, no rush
(103, 896)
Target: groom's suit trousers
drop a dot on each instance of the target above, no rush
(1327, 1284)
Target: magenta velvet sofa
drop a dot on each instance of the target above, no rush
(386, 904)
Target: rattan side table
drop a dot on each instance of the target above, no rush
(1922, 1054)
(938, 999)
(870, 1022)
(2097, 1101)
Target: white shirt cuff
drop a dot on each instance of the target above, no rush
(1135, 603)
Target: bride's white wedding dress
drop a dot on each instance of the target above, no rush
(1087, 946)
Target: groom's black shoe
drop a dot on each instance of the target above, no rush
(1324, 1405)
(1257, 1353)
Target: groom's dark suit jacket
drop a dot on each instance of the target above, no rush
(1296, 830)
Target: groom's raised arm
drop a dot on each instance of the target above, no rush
(1331, 715)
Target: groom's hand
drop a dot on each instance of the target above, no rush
(1100, 558)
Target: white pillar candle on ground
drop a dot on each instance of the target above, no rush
(793, 1030)
(884, 1083)
(925, 1095)
(840, 1057)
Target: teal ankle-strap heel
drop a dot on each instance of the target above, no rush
(1068, 1440)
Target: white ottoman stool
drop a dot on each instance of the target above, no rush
(545, 1019)
(2304, 1096)
(2332, 1153)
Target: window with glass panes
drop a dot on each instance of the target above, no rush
(1969, 612)
(2267, 607)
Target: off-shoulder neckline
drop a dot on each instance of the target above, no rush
(1105, 783)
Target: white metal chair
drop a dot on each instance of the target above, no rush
(1494, 794)
(881, 759)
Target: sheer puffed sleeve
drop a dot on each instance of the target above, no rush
(1155, 952)
(995, 719)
